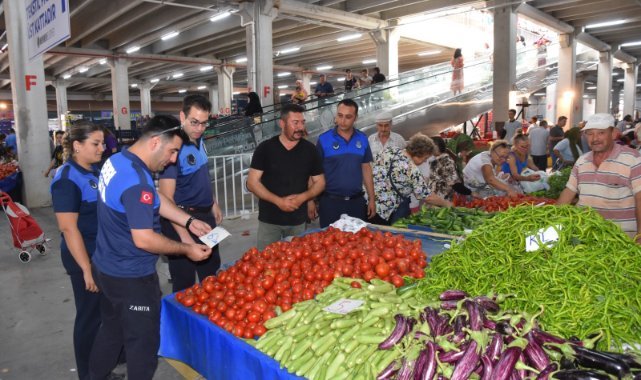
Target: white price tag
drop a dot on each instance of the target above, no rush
(344, 306)
(546, 236)
(215, 236)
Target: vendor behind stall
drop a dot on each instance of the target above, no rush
(519, 160)
(479, 174)
(608, 178)
(396, 177)
(568, 150)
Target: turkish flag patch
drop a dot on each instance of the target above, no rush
(146, 197)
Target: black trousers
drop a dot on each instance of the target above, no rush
(130, 313)
(541, 162)
(330, 209)
(86, 323)
(183, 271)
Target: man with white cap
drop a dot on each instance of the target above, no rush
(608, 178)
(384, 136)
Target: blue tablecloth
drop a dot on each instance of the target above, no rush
(217, 354)
(9, 183)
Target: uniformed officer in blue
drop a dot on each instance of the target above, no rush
(347, 165)
(188, 184)
(74, 192)
(127, 249)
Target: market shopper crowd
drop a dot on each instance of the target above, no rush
(115, 223)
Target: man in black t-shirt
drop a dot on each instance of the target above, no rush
(285, 172)
(378, 77)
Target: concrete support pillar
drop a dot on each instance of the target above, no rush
(604, 82)
(550, 103)
(565, 90)
(226, 88)
(579, 86)
(257, 18)
(120, 92)
(616, 100)
(29, 107)
(145, 98)
(213, 98)
(61, 102)
(386, 41)
(306, 78)
(504, 60)
(630, 89)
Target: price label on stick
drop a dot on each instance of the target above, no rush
(344, 306)
(545, 237)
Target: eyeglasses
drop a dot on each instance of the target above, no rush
(195, 123)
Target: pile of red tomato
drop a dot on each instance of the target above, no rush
(493, 204)
(245, 295)
(7, 170)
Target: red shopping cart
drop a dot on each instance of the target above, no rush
(25, 231)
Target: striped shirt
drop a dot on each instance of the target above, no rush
(610, 188)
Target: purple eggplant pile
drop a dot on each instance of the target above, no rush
(462, 337)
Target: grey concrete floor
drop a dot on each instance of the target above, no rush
(37, 308)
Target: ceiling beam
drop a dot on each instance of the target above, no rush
(330, 15)
(99, 16)
(623, 56)
(196, 33)
(544, 18)
(593, 42)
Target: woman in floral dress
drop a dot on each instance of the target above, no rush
(443, 173)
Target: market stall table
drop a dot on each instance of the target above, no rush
(216, 354)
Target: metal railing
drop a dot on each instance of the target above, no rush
(229, 181)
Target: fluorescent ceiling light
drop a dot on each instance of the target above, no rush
(155, 80)
(202, 87)
(182, 90)
(426, 53)
(585, 96)
(235, 93)
(241, 60)
(206, 68)
(177, 75)
(540, 94)
(83, 69)
(284, 74)
(169, 35)
(621, 80)
(289, 50)
(614, 73)
(312, 83)
(103, 61)
(326, 67)
(591, 88)
(219, 16)
(633, 43)
(349, 37)
(368, 61)
(282, 86)
(133, 49)
(66, 76)
(638, 85)
(604, 24)
(134, 85)
(4, 47)
(340, 79)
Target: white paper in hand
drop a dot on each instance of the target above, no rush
(215, 236)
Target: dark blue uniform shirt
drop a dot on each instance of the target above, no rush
(75, 189)
(128, 201)
(342, 161)
(193, 184)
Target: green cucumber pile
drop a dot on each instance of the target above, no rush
(588, 282)
(317, 344)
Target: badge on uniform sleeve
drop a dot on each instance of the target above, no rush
(93, 184)
(191, 159)
(146, 197)
(359, 145)
(335, 145)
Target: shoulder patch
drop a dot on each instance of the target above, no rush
(146, 197)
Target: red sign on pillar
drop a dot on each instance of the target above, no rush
(266, 91)
(123, 110)
(29, 80)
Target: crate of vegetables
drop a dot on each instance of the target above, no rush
(502, 203)
(449, 220)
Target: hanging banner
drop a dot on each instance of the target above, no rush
(47, 25)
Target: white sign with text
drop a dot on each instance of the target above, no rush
(47, 25)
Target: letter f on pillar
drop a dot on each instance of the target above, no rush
(29, 80)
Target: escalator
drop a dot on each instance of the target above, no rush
(420, 101)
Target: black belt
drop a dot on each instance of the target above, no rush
(344, 197)
(195, 209)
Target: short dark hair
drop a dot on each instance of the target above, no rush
(349, 103)
(165, 126)
(348, 70)
(58, 133)
(512, 110)
(289, 108)
(562, 118)
(535, 118)
(196, 100)
(377, 70)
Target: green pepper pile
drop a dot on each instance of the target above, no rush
(588, 281)
(452, 220)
